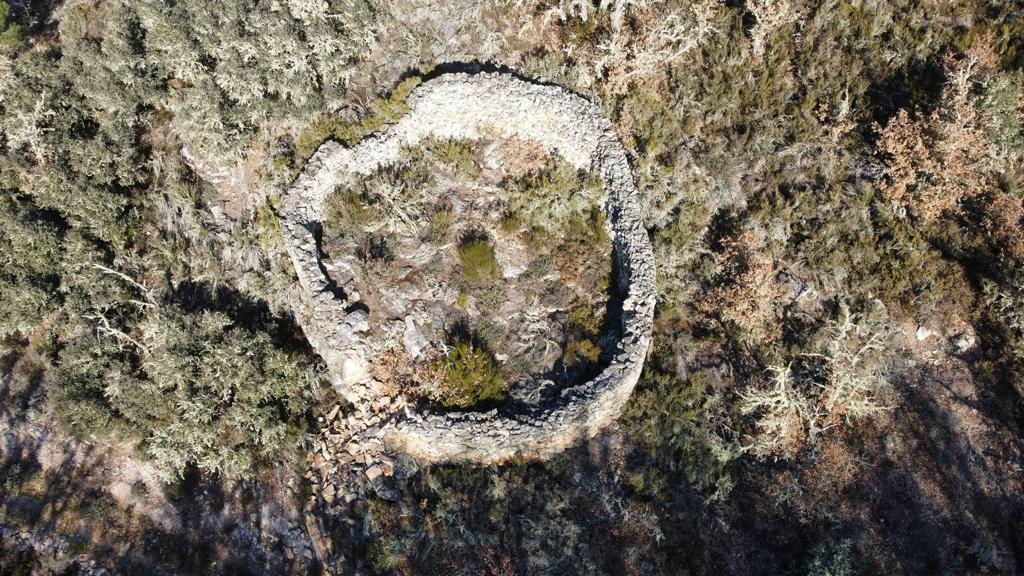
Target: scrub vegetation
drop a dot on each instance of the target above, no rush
(835, 194)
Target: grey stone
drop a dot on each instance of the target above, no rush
(413, 339)
(963, 342)
(359, 320)
(374, 472)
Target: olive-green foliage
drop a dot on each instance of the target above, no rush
(1007, 38)
(237, 64)
(657, 129)
(77, 391)
(583, 327)
(490, 296)
(581, 352)
(79, 176)
(93, 120)
(345, 210)
(569, 516)
(682, 426)
(76, 158)
(384, 111)
(588, 227)
(98, 509)
(832, 559)
(29, 252)
(478, 262)
(83, 174)
(458, 155)
(441, 221)
(1001, 104)
(471, 376)
(553, 198)
(11, 37)
(391, 198)
(207, 393)
(233, 393)
(847, 240)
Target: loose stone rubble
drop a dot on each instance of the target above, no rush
(382, 424)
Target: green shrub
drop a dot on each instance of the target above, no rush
(680, 425)
(554, 201)
(206, 392)
(345, 210)
(457, 154)
(583, 327)
(441, 222)
(470, 377)
(585, 321)
(832, 559)
(588, 227)
(98, 508)
(11, 38)
(478, 261)
(489, 296)
(581, 352)
(510, 223)
(385, 111)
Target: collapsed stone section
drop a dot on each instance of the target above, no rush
(471, 106)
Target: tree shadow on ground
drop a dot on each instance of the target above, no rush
(947, 501)
(570, 515)
(54, 500)
(932, 494)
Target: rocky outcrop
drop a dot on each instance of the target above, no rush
(474, 106)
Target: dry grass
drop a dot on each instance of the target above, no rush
(769, 15)
(749, 294)
(642, 50)
(521, 158)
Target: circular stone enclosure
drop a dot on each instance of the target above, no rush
(472, 106)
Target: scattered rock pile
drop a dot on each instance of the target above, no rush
(349, 463)
(350, 458)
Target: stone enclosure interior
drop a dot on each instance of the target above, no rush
(477, 274)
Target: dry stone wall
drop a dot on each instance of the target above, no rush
(474, 106)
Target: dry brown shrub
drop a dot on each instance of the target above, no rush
(750, 293)
(983, 52)
(609, 46)
(1004, 222)
(521, 157)
(936, 161)
(835, 468)
(426, 379)
(837, 120)
(391, 368)
(422, 377)
(525, 27)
